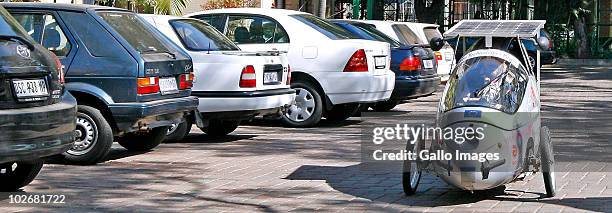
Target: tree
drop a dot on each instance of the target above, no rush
(579, 17)
(219, 4)
(169, 7)
(429, 13)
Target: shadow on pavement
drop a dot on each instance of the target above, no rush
(384, 185)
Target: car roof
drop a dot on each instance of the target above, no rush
(58, 6)
(422, 25)
(259, 11)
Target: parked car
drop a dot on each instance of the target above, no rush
(332, 70)
(415, 75)
(129, 80)
(445, 56)
(232, 85)
(36, 114)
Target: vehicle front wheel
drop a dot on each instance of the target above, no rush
(94, 137)
(341, 112)
(220, 127)
(411, 175)
(385, 105)
(177, 132)
(547, 158)
(143, 141)
(15, 175)
(308, 107)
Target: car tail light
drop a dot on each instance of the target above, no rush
(550, 44)
(357, 63)
(186, 81)
(148, 85)
(248, 78)
(438, 56)
(411, 63)
(288, 75)
(59, 68)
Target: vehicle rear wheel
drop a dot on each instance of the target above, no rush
(411, 175)
(307, 109)
(143, 141)
(15, 175)
(341, 112)
(94, 137)
(177, 132)
(220, 127)
(385, 106)
(548, 162)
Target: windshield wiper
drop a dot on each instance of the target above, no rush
(18, 38)
(477, 92)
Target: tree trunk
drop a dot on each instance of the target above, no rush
(430, 14)
(583, 49)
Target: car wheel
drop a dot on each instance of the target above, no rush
(548, 162)
(532, 61)
(341, 112)
(307, 109)
(385, 106)
(177, 132)
(220, 127)
(143, 141)
(15, 175)
(94, 137)
(411, 175)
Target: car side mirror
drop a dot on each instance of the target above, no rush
(436, 43)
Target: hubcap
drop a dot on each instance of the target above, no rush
(86, 136)
(414, 170)
(172, 128)
(303, 107)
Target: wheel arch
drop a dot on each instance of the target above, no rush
(302, 76)
(88, 96)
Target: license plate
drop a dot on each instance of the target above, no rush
(270, 77)
(380, 62)
(428, 64)
(448, 56)
(168, 86)
(30, 88)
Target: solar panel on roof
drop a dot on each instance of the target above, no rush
(496, 28)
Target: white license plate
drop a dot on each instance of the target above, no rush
(380, 62)
(168, 86)
(428, 64)
(448, 56)
(270, 77)
(30, 88)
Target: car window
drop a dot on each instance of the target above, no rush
(198, 36)
(432, 32)
(325, 27)
(406, 35)
(88, 31)
(255, 30)
(46, 31)
(217, 21)
(134, 30)
(8, 25)
(379, 36)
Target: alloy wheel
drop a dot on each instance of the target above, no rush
(303, 107)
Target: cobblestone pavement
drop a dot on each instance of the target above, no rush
(267, 168)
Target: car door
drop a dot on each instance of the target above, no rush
(252, 32)
(48, 29)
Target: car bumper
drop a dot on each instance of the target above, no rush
(244, 104)
(131, 117)
(33, 133)
(406, 87)
(359, 87)
(548, 57)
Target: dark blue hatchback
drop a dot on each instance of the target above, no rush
(130, 81)
(414, 66)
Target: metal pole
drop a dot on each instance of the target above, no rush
(322, 8)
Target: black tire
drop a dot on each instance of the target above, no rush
(95, 140)
(409, 186)
(143, 141)
(179, 132)
(317, 108)
(218, 128)
(22, 175)
(341, 112)
(385, 106)
(548, 162)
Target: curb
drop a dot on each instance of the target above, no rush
(584, 62)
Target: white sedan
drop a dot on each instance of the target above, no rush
(232, 85)
(332, 71)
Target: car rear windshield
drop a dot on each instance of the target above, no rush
(406, 35)
(325, 27)
(432, 32)
(199, 36)
(10, 27)
(134, 31)
(376, 34)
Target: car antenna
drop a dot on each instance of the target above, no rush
(208, 52)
